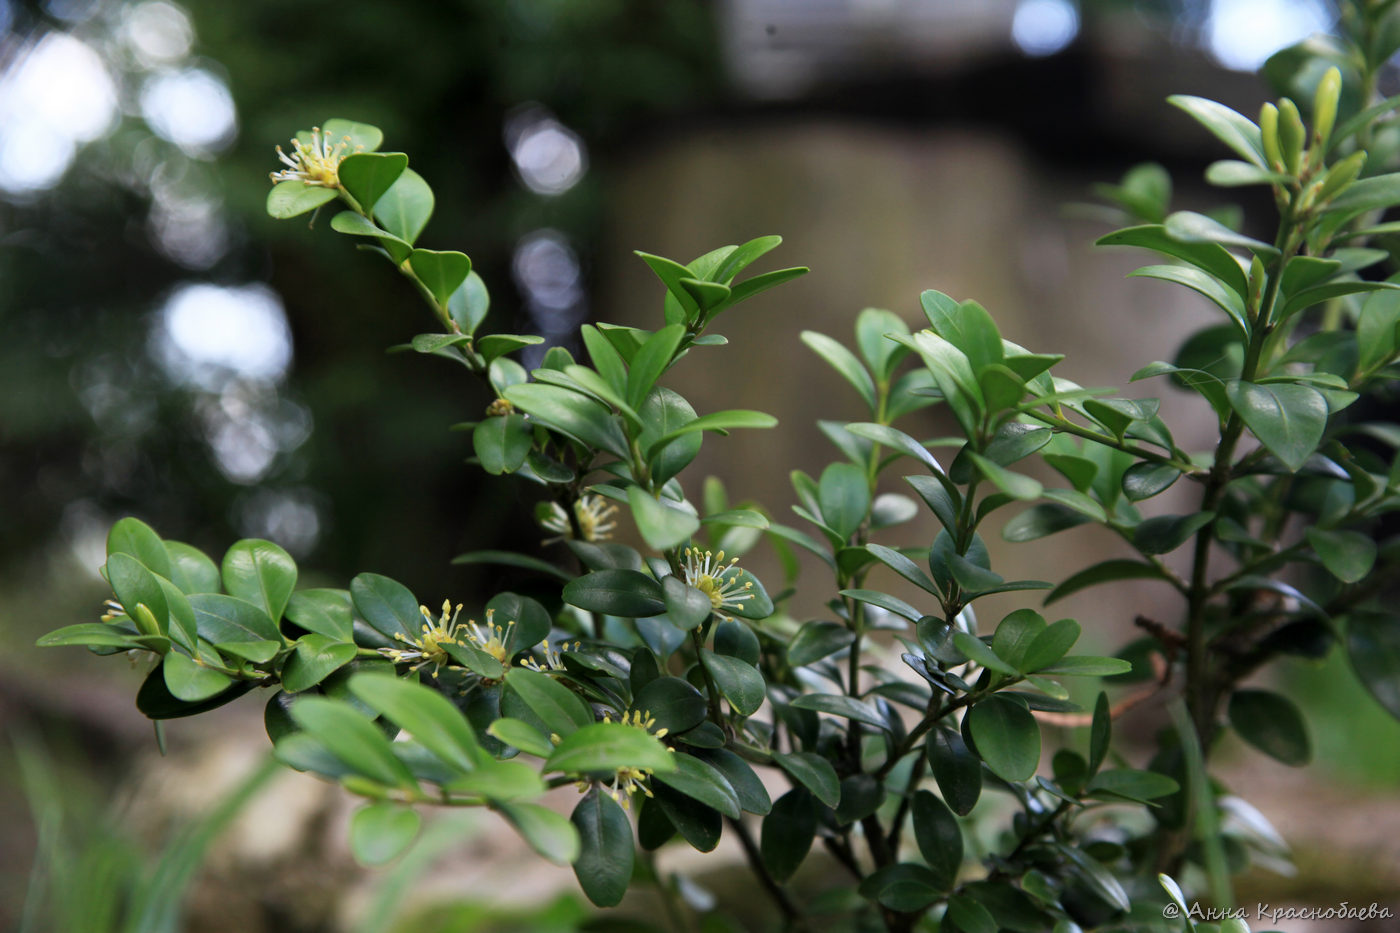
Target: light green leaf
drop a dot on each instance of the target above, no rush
(1288, 419)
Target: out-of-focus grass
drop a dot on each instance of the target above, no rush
(1354, 739)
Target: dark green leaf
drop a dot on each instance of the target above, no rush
(1007, 737)
(502, 443)
(700, 782)
(155, 701)
(1271, 723)
(686, 606)
(817, 640)
(904, 887)
(222, 619)
(843, 494)
(1108, 571)
(956, 769)
(606, 853)
(1135, 785)
(843, 706)
(555, 705)
(625, 593)
(753, 796)
(1347, 555)
(939, 837)
(814, 773)
(1041, 520)
(1373, 646)
(1165, 533)
(740, 683)
(674, 704)
(788, 832)
(387, 606)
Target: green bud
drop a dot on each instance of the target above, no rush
(1257, 278)
(1290, 135)
(1268, 131)
(1341, 175)
(1329, 92)
(145, 621)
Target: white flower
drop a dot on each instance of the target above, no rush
(430, 647)
(552, 660)
(316, 163)
(594, 514)
(709, 574)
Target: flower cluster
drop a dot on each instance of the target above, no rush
(627, 780)
(315, 163)
(708, 573)
(431, 646)
(594, 515)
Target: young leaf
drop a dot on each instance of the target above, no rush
(1234, 130)
(368, 175)
(404, 209)
(291, 198)
(608, 746)
(440, 272)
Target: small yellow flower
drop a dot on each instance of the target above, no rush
(628, 780)
(552, 659)
(709, 574)
(316, 163)
(594, 514)
(430, 646)
(500, 408)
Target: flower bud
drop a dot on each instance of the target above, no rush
(1341, 175)
(145, 621)
(1268, 132)
(1329, 92)
(1290, 135)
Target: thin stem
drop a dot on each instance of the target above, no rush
(792, 914)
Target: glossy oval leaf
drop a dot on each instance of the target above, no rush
(1007, 737)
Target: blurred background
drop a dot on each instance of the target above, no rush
(168, 351)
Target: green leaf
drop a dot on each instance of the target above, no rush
(816, 640)
(469, 304)
(662, 526)
(555, 705)
(699, 781)
(1192, 227)
(686, 606)
(1142, 786)
(1041, 520)
(96, 634)
(670, 273)
(675, 705)
(134, 537)
(1196, 280)
(1347, 555)
(843, 706)
(977, 650)
(1165, 533)
(739, 683)
(1271, 723)
(1015, 485)
(1146, 479)
(380, 832)
(1368, 194)
(844, 362)
(843, 494)
(423, 713)
(442, 273)
(651, 361)
(606, 853)
(813, 772)
(404, 209)
(1231, 173)
(323, 611)
(953, 374)
(509, 559)
(1007, 737)
(716, 421)
(1289, 420)
(550, 834)
(359, 137)
(387, 606)
(940, 495)
(190, 681)
(1373, 647)
(368, 175)
(939, 838)
(316, 657)
(896, 439)
(353, 224)
(753, 796)
(1234, 130)
(222, 619)
(1208, 257)
(570, 413)
(903, 566)
(520, 734)
(261, 573)
(966, 325)
(155, 701)
(502, 443)
(625, 593)
(291, 198)
(494, 346)
(500, 780)
(761, 283)
(889, 603)
(353, 739)
(788, 832)
(1108, 571)
(135, 586)
(1050, 645)
(880, 353)
(191, 569)
(606, 747)
(905, 887)
(957, 771)
(1087, 666)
